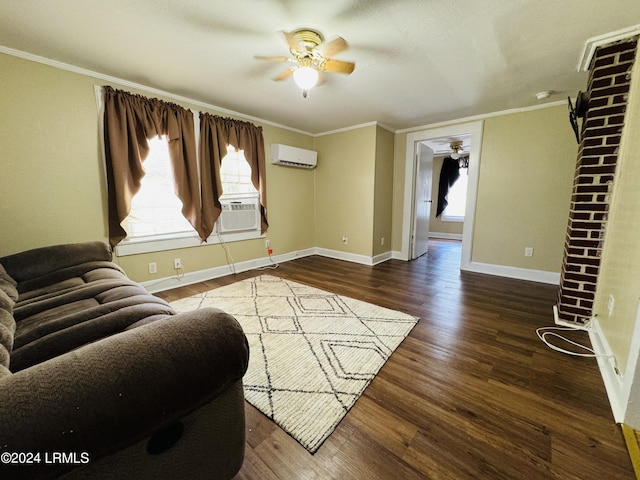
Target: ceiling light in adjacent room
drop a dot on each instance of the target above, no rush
(456, 148)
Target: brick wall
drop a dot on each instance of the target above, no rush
(608, 87)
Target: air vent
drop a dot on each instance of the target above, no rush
(239, 216)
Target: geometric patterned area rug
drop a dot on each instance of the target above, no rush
(312, 353)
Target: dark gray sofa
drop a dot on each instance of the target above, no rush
(100, 379)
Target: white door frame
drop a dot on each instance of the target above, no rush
(473, 128)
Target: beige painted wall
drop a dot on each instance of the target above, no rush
(53, 182)
(53, 185)
(524, 189)
(383, 194)
(344, 190)
(620, 266)
(526, 174)
(290, 196)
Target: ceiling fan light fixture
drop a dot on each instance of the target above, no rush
(456, 148)
(305, 77)
(312, 55)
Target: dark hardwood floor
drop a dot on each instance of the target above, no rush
(470, 393)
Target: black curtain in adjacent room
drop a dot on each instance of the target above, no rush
(448, 175)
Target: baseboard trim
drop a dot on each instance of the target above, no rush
(346, 256)
(382, 257)
(613, 381)
(446, 236)
(398, 255)
(531, 275)
(189, 278)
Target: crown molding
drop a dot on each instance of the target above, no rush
(482, 116)
(138, 86)
(593, 43)
(155, 91)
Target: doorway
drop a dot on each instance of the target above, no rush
(414, 139)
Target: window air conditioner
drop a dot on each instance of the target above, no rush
(240, 215)
(293, 156)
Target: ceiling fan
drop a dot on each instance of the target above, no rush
(311, 55)
(456, 148)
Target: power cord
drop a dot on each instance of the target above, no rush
(273, 265)
(545, 332)
(178, 276)
(179, 273)
(147, 285)
(230, 260)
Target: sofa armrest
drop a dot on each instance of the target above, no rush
(41, 261)
(115, 392)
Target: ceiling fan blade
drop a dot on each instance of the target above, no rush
(322, 79)
(332, 47)
(272, 59)
(293, 41)
(284, 75)
(338, 66)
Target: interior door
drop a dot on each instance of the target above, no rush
(422, 201)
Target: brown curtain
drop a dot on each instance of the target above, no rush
(215, 134)
(129, 120)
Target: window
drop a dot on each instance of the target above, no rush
(155, 221)
(155, 209)
(235, 174)
(457, 198)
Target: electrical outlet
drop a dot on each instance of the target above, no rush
(267, 244)
(153, 267)
(345, 239)
(528, 251)
(177, 264)
(382, 241)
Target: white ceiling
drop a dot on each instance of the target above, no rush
(417, 61)
(442, 145)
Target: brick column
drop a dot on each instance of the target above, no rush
(608, 87)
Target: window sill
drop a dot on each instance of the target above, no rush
(173, 242)
(451, 218)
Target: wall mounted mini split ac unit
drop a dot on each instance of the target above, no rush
(239, 215)
(292, 156)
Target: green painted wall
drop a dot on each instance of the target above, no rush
(527, 163)
(345, 185)
(524, 190)
(53, 183)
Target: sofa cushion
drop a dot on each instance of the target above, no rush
(83, 304)
(53, 282)
(7, 331)
(42, 261)
(8, 284)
